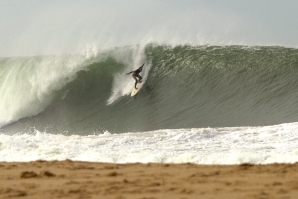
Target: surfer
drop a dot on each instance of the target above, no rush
(135, 75)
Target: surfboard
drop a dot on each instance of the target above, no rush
(135, 91)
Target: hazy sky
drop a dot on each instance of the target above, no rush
(33, 27)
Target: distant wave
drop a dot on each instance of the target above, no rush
(184, 87)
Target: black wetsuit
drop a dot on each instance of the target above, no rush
(135, 75)
(137, 71)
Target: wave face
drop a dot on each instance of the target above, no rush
(184, 87)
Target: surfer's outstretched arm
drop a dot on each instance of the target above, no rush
(129, 73)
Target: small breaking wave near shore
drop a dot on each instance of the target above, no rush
(229, 145)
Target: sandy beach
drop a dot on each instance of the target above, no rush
(73, 179)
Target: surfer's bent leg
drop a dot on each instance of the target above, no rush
(135, 77)
(136, 85)
(140, 78)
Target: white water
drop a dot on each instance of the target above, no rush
(234, 145)
(27, 85)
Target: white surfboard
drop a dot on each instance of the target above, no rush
(135, 91)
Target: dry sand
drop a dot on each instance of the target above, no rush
(71, 179)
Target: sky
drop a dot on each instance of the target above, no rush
(34, 27)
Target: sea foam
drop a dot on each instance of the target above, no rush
(229, 145)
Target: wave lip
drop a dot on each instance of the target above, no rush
(28, 85)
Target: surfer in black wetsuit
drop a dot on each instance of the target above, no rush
(135, 75)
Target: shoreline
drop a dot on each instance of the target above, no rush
(76, 179)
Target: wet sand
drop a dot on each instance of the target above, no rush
(73, 179)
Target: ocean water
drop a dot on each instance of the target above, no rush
(200, 104)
